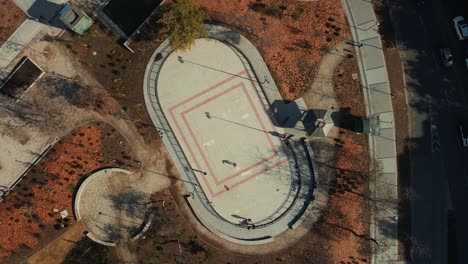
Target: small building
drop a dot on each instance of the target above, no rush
(75, 19)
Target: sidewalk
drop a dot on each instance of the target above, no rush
(378, 100)
(17, 42)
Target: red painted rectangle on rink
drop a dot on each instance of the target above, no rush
(274, 165)
(207, 90)
(256, 164)
(183, 114)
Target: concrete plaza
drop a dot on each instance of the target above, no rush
(219, 123)
(214, 108)
(113, 204)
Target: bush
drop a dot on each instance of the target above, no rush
(132, 246)
(274, 11)
(36, 217)
(325, 48)
(71, 187)
(257, 6)
(184, 23)
(297, 13)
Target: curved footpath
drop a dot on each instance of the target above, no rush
(373, 71)
(296, 210)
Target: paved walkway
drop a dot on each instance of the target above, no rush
(113, 205)
(17, 42)
(373, 72)
(321, 97)
(322, 93)
(289, 215)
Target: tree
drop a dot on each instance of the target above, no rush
(184, 23)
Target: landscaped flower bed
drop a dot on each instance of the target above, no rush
(292, 36)
(28, 217)
(11, 18)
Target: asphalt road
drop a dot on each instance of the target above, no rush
(438, 102)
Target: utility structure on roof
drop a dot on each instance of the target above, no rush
(75, 19)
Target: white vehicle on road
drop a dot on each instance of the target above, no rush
(461, 27)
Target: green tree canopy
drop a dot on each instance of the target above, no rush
(184, 23)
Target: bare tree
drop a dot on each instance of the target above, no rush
(41, 108)
(398, 44)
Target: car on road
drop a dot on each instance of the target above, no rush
(447, 57)
(463, 134)
(461, 27)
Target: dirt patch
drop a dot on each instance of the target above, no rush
(57, 250)
(386, 30)
(348, 213)
(27, 212)
(291, 36)
(87, 251)
(116, 69)
(11, 17)
(403, 143)
(348, 87)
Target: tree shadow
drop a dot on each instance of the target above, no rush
(287, 113)
(227, 35)
(60, 85)
(112, 232)
(153, 28)
(131, 201)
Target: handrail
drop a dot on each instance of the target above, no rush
(167, 130)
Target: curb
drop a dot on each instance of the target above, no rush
(85, 182)
(389, 163)
(217, 224)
